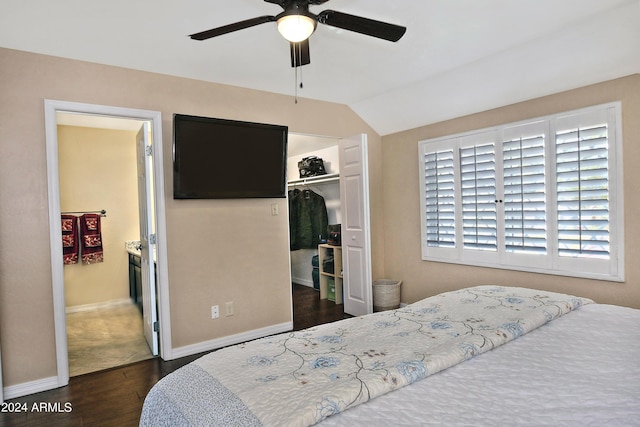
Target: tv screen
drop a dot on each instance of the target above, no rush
(228, 159)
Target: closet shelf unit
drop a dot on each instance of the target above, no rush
(332, 177)
(330, 272)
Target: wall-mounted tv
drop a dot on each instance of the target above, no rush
(228, 159)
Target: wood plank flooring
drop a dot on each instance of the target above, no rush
(114, 397)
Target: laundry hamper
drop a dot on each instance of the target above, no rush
(386, 294)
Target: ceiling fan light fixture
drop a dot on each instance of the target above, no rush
(296, 28)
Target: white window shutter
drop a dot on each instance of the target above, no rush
(543, 195)
(478, 194)
(524, 197)
(439, 197)
(582, 176)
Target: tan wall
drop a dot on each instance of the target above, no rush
(98, 170)
(402, 210)
(218, 250)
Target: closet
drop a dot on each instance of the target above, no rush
(344, 189)
(327, 186)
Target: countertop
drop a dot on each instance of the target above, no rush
(131, 246)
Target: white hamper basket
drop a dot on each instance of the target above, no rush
(386, 294)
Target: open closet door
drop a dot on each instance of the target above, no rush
(147, 238)
(356, 240)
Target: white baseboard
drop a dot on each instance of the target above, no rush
(217, 343)
(24, 389)
(302, 281)
(106, 304)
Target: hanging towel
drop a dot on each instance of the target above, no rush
(70, 244)
(91, 239)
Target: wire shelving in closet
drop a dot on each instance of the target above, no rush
(315, 179)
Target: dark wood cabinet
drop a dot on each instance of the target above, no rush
(135, 280)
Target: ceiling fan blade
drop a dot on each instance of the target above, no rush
(300, 53)
(284, 3)
(369, 27)
(232, 27)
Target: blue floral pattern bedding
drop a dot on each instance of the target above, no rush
(300, 378)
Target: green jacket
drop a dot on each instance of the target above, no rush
(308, 219)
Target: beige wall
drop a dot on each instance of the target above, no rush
(98, 170)
(401, 214)
(218, 251)
(235, 250)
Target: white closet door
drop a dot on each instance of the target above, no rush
(356, 240)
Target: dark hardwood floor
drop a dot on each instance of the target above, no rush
(114, 397)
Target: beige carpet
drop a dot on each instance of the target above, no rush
(105, 338)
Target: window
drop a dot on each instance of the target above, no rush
(542, 195)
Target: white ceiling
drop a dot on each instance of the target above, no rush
(457, 57)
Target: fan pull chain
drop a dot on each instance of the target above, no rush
(295, 84)
(297, 54)
(301, 85)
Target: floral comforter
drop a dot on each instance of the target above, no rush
(300, 378)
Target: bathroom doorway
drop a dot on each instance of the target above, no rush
(86, 116)
(98, 182)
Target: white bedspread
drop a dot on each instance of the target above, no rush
(582, 369)
(300, 378)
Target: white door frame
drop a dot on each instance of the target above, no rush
(51, 107)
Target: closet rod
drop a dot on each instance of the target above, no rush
(101, 212)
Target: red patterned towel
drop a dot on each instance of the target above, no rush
(69, 239)
(91, 239)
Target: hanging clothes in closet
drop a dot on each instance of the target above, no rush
(308, 219)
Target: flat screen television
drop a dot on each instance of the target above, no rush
(228, 159)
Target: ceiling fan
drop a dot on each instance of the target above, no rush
(296, 23)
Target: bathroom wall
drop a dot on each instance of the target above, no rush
(98, 171)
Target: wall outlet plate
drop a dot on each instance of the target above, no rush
(229, 308)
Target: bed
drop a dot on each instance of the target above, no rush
(485, 355)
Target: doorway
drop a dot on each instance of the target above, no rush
(151, 121)
(344, 190)
(98, 181)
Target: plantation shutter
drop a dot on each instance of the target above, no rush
(542, 195)
(440, 198)
(478, 191)
(582, 176)
(524, 195)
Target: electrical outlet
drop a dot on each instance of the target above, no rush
(229, 308)
(215, 311)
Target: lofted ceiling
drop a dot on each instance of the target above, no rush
(457, 57)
